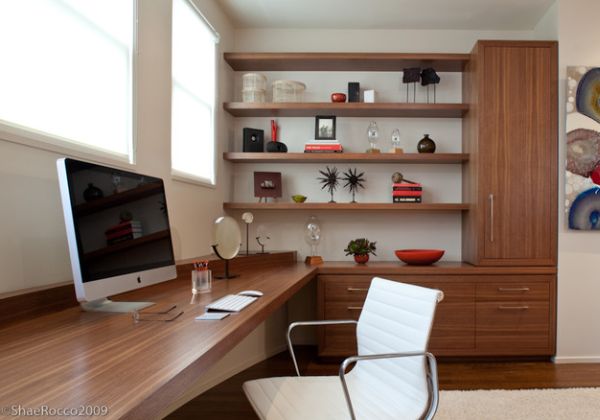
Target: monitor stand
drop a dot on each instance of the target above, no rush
(107, 305)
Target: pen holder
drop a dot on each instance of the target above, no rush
(201, 281)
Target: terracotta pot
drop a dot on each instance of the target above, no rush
(361, 259)
(338, 97)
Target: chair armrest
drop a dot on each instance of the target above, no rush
(310, 323)
(432, 375)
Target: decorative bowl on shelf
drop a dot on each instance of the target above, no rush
(419, 256)
(298, 198)
(338, 97)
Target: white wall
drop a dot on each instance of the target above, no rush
(442, 182)
(578, 279)
(33, 249)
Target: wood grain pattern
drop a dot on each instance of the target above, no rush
(405, 158)
(348, 109)
(72, 358)
(428, 207)
(512, 89)
(343, 61)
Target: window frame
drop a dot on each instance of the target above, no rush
(176, 174)
(54, 143)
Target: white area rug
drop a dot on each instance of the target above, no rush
(546, 404)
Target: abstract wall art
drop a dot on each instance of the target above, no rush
(582, 186)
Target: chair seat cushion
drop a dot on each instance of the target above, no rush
(322, 397)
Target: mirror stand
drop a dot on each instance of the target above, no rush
(226, 275)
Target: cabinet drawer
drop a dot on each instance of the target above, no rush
(512, 325)
(511, 291)
(346, 288)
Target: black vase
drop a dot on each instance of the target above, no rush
(276, 147)
(426, 145)
(92, 193)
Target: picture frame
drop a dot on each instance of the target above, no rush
(325, 127)
(267, 185)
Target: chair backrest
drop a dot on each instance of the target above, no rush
(396, 318)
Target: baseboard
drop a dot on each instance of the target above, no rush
(576, 359)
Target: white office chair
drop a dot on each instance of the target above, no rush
(394, 376)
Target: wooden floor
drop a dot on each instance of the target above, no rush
(227, 401)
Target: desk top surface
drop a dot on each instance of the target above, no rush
(73, 358)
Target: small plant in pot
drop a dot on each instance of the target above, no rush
(361, 248)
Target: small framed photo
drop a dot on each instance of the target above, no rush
(267, 185)
(325, 127)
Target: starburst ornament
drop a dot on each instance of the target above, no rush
(354, 180)
(330, 180)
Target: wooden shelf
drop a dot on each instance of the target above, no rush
(113, 200)
(344, 61)
(412, 158)
(346, 109)
(420, 207)
(121, 246)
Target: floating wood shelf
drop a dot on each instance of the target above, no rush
(420, 207)
(113, 200)
(413, 158)
(344, 61)
(346, 109)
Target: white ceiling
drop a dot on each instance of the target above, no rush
(387, 14)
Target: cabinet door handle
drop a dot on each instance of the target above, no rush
(358, 289)
(355, 308)
(514, 308)
(513, 289)
(491, 198)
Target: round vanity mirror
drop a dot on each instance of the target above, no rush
(227, 239)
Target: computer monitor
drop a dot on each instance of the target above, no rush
(118, 232)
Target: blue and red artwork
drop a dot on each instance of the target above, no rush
(582, 186)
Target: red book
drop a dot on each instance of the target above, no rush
(407, 193)
(331, 147)
(124, 225)
(406, 184)
(122, 232)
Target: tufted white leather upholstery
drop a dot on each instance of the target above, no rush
(396, 318)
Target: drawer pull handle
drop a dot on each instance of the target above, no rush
(513, 289)
(358, 289)
(355, 308)
(514, 308)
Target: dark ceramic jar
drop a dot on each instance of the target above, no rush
(426, 145)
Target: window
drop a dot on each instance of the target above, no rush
(193, 95)
(66, 74)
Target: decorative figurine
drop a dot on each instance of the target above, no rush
(248, 218)
(426, 145)
(430, 77)
(353, 181)
(312, 236)
(398, 178)
(262, 245)
(411, 75)
(330, 180)
(373, 135)
(275, 146)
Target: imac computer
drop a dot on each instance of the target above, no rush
(118, 232)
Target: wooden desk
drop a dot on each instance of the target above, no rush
(73, 358)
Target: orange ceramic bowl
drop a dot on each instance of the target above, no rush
(419, 256)
(338, 97)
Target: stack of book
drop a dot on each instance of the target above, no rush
(407, 192)
(124, 231)
(323, 146)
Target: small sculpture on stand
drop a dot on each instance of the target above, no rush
(312, 236)
(398, 178)
(396, 143)
(411, 75)
(275, 146)
(330, 180)
(353, 181)
(261, 244)
(430, 77)
(373, 136)
(248, 218)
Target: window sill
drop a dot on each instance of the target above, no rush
(190, 179)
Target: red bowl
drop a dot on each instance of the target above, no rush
(338, 97)
(419, 256)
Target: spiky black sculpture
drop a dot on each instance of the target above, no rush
(354, 180)
(330, 180)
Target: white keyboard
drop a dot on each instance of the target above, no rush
(230, 303)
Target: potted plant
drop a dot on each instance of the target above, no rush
(360, 248)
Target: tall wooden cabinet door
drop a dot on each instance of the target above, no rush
(518, 153)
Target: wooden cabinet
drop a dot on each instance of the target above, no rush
(481, 315)
(511, 88)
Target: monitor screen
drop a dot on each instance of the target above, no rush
(120, 221)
